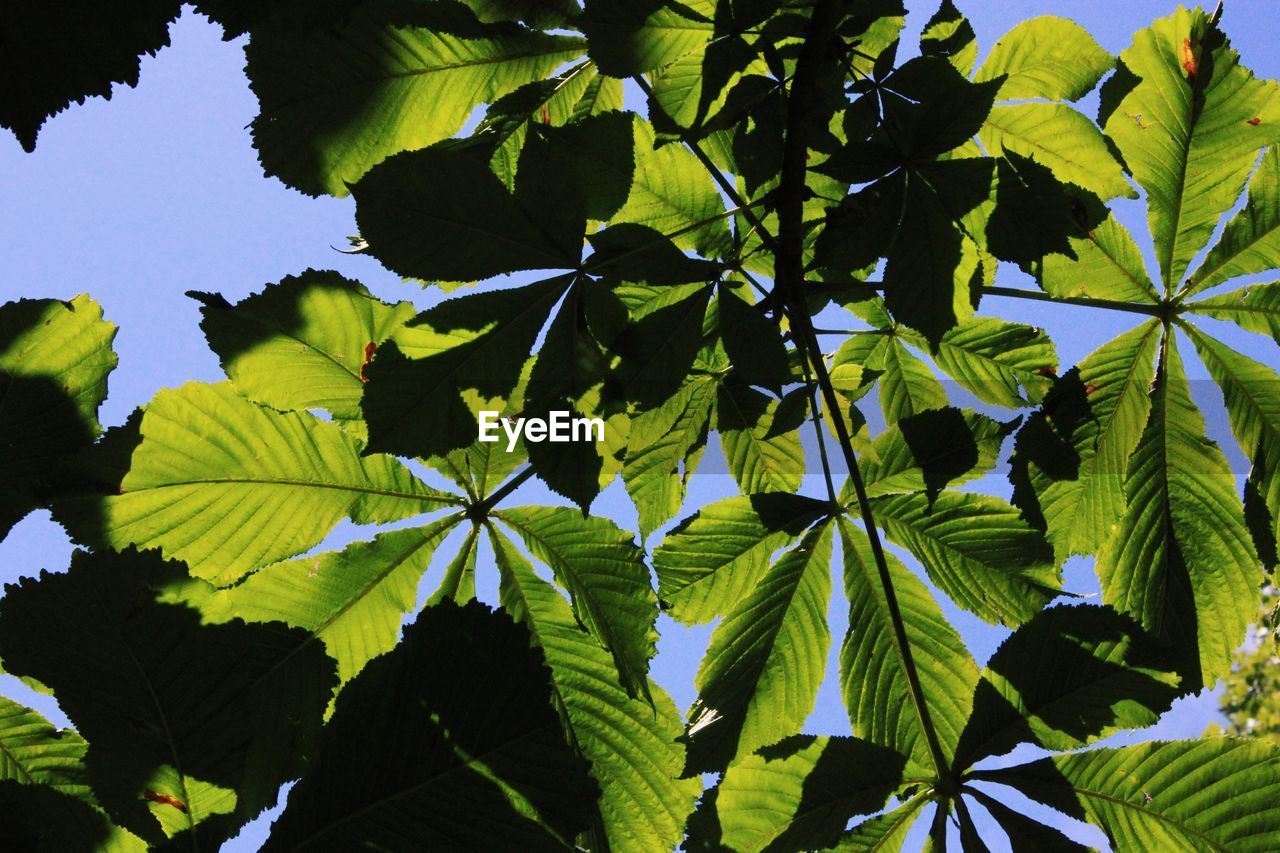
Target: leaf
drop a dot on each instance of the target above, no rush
(54, 361)
(354, 600)
(999, 362)
(1251, 391)
(67, 53)
(1025, 833)
(209, 719)
(885, 833)
(1250, 243)
(1059, 138)
(301, 344)
(713, 559)
(759, 460)
(931, 450)
(467, 749)
(1045, 57)
(637, 253)
(1255, 308)
(607, 580)
(1108, 265)
(873, 666)
(977, 550)
(1076, 452)
(440, 213)
(1164, 796)
(631, 746)
(907, 385)
(949, 34)
(1069, 677)
(43, 820)
(449, 362)
(1184, 136)
(228, 486)
(33, 752)
(657, 350)
(795, 795)
(336, 101)
(759, 678)
(628, 37)
(663, 450)
(1182, 562)
(753, 343)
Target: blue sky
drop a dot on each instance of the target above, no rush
(158, 191)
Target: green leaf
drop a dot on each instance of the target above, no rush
(795, 795)
(353, 600)
(1076, 452)
(54, 361)
(1002, 363)
(69, 53)
(336, 101)
(1255, 308)
(907, 385)
(303, 343)
(444, 751)
(228, 486)
(1045, 57)
(1213, 794)
(187, 723)
(628, 37)
(1024, 833)
(657, 350)
(33, 752)
(462, 356)
(977, 549)
(440, 213)
(1179, 109)
(1181, 561)
(753, 343)
(606, 577)
(1250, 243)
(759, 679)
(949, 34)
(761, 457)
(1108, 265)
(631, 746)
(1067, 678)
(885, 833)
(1251, 391)
(712, 560)
(42, 820)
(873, 667)
(931, 450)
(1060, 138)
(663, 450)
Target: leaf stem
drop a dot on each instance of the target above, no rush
(789, 279)
(478, 512)
(1088, 302)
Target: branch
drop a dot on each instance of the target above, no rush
(789, 279)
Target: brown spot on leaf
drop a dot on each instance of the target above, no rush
(1190, 63)
(1089, 389)
(369, 349)
(166, 800)
(1255, 121)
(1048, 371)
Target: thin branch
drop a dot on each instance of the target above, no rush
(1088, 302)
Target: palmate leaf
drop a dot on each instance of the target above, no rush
(68, 52)
(631, 745)
(227, 486)
(1074, 454)
(1213, 794)
(977, 550)
(54, 361)
(1255, 308)
(454, 751)
(1181, 561)
(337, 101)
(1069, 677)
(353, 600)
(710, 562)
(606, 577)
(1180, 88)
(1251, 391)
(759, 678)
(794, 795)
(303, 343)
(198, 723)
(873, 666)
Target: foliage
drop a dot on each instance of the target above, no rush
(788, 160)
